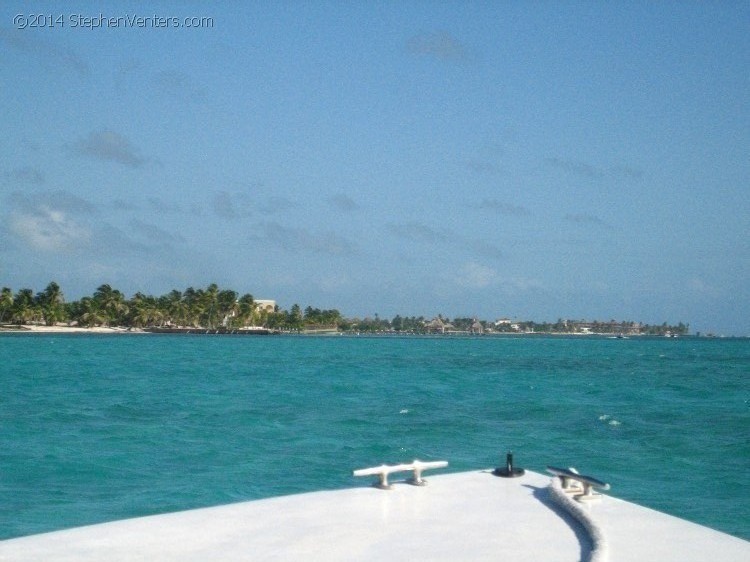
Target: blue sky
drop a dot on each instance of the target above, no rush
(531, 160)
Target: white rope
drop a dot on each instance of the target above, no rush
(599, 547)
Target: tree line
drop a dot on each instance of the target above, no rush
(213, 307)
(208, 308)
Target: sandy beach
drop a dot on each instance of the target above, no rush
(34, 328)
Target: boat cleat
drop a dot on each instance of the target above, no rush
(384, 470)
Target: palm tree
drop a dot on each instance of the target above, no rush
(144, 311)
(193, 309)
(88, 313)
(246, 310)
(111, 303)
(208, 303)
(6, 302)
(294, 317)
(50, 302)
(24, 308)
(226, 305)
(174, 308)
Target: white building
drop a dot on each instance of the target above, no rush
(265, 305)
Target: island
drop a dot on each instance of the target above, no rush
(225, 311)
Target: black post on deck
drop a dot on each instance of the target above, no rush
(509, 471)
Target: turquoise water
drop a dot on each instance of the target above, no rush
(96, 428)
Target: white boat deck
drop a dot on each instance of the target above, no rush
(466, 516)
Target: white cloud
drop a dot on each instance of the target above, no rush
(49, 230)
(474, 275)
(61, 222)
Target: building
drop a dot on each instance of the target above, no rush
(265, 305)
(476, 327)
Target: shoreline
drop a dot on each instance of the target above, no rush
(40, 329)
(101, 330)
(36, 329)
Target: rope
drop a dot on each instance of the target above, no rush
(599, 547)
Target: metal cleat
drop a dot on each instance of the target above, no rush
(382, 472)
(582, 487)
(419, 467)
(570, 485)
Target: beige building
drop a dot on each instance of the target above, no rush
(265, 305)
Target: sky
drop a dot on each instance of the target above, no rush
(524, 159)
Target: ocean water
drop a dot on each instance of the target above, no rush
(97, 427)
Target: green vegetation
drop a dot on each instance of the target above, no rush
(207, 308)
(213, 308)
